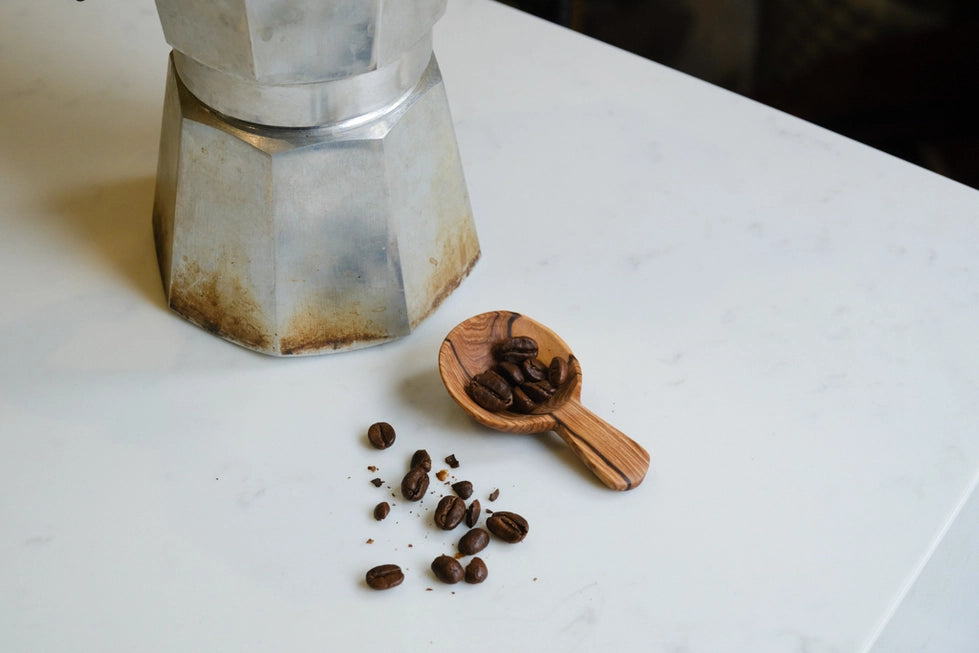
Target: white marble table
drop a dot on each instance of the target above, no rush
(786, 319)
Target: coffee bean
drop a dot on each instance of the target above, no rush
(534, 369)
(491, 391)
(521, 402)
(557, 371)
(494, 495)
(516, 349)
(451, 461)
(447, 569)
(381, 435)
(414, 484)
(463, 488)
(508, 526)
(450, 512)
(472, 513)
(384, 577)
(538, 391)
(381, 510)
(473, 542)
(476, 571)
(421, 459)
(511, 372)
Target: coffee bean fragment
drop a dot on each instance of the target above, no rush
(476, 571)
(494, 495)
(463, 488)
(414, 484)
(508, 526)
(384, 577)
(473, 541)
(451, 461)
(516, 349)
(472, 513)
(421, 459)
(381, 435)
(381, 510)
(447, 569)
(450, 512)
(376, 482)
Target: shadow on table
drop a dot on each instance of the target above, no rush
(113, 221)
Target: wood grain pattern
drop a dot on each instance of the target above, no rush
(617, 460)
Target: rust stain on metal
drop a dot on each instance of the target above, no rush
(311, 331)
(220, 303)
(457, 256)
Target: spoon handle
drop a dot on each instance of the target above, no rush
(618, 460)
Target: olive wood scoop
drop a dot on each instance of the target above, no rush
(467, 350)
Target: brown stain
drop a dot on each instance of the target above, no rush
(458, 254)
(311, 332)
(219, 303)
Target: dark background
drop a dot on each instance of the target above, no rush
(899, 75)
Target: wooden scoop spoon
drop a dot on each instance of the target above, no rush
(616, 459)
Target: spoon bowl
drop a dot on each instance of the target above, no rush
(617, 460)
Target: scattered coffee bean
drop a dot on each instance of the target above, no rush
(451, 461)
(414, 484)
(472, 513)
(473, 542)
(421, 459)
(381, 435)
(491, 391)
(381, 510)
(447, 569)
(476, 571)
(384, 577)
(376, 482)
(516, 349)
(508, 526)
(463, 488)
(450, 512)
(494, 495)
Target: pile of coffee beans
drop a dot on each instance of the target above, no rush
(450, 512)
(518, 381)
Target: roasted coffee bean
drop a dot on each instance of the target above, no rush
(491, 391)
(476, 571)
(447, 569)
(381, 510)
(473, 542)
(511, 372)
(450, 512)
(538, 391)
(557, 371)
(534, 369)
(472, 513)
(521, 402)
(494, 495)
(381, 435)
(421, 459)
(414, 484)
(384, 577)
(508, 526)
(516, 349)
(463, 488)
(451, 461)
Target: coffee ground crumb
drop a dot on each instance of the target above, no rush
(377, 482)
(451, 461)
